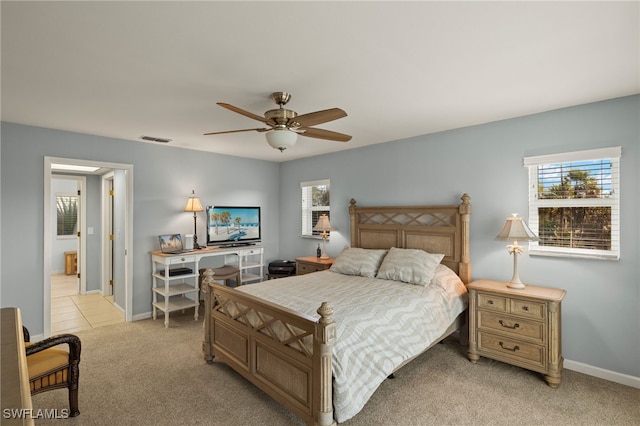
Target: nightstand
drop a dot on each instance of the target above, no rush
(306, 265)
(517, 326)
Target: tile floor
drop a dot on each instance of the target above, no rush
(71, 312)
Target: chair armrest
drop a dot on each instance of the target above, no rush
(73, 341)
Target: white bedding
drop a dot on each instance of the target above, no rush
(379, 323)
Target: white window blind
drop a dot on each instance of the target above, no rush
(67, 214)
(574, 203)
(315, 202)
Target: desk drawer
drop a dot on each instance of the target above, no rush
(181, 259)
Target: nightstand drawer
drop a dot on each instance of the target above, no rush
(517, 350)
(309, 264)
(527, 308)
(516, 327)
(492, 302)
(305, 268)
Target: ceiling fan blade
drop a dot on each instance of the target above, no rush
(318, 117)
(325, 134)
(235, 131)
(245, 113)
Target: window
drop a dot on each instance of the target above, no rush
(315, 202)
(574, 203)
(67, 213)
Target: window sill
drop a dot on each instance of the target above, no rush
(594, 256)
(314, 237)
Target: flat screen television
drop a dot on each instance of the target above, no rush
(228, 225)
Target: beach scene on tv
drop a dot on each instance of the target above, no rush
(233, 224)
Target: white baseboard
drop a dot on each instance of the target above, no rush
(612, 376)
(118, 307)
(145, 315)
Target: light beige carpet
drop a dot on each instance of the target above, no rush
(143, 374)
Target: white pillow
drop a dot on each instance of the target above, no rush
(445, 278)
(409, 266)
(358, 261)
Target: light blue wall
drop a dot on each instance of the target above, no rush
(163, 177)
(601, 314)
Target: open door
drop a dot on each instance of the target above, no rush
(120, 235)
(107, 234)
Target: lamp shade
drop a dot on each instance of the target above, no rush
(193, 204)
(281, 138)
(515, 228)
(323, 224)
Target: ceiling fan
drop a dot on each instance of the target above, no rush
(285, 125)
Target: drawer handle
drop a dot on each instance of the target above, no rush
(525, 308)
(515, 348)
(490, 302)
(513, 327)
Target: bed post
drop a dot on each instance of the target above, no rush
(208, 294)
(325, 337)
(465, 213)
(353, 222)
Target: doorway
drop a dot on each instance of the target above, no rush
(122, 258)
(68, 196)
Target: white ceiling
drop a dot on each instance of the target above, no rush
(127, 69)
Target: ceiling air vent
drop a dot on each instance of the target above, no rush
(154, 139)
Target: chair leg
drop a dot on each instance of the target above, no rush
(73, 402)
(74, 376)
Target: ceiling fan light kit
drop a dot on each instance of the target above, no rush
(281, 138)
(285, 125)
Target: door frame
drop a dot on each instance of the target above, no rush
(48, 229)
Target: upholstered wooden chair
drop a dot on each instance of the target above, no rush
(52, 368)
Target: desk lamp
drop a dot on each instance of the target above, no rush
(194, 205)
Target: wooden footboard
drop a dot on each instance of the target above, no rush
(284, 353)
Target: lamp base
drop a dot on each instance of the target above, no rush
(515, 282)
(519, 286)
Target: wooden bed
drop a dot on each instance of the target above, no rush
(289, 371)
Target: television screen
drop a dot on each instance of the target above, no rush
(232, 225)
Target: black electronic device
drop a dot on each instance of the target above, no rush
(177, 271)
(282, 267)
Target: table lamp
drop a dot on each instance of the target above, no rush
(323, 225)
(516, 229)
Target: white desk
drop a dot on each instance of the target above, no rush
(180, 292)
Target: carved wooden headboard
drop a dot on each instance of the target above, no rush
(435, 229)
